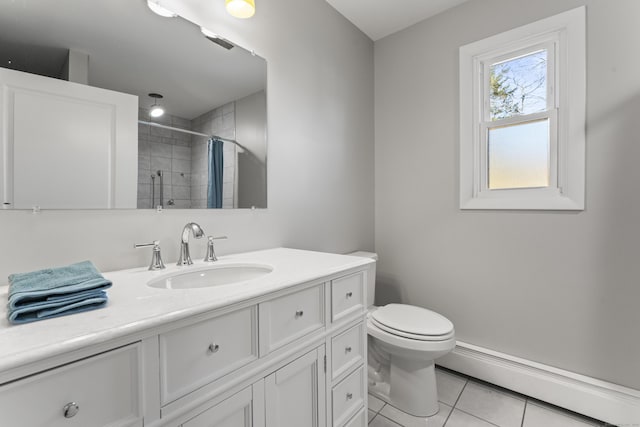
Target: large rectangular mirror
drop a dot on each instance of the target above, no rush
(78, 80)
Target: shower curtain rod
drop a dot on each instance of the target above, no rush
(158, 125)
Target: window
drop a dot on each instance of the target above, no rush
(522, 117)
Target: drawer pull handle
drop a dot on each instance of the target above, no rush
(349, 294)
(349, 396)
(70, 409)
(213, 348)
(299, 314)
(347, 349)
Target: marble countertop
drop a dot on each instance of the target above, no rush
(134, 307)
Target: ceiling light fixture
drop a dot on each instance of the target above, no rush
(241, 8)
(160, 10)
(156, 110)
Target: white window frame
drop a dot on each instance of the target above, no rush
(564, 37)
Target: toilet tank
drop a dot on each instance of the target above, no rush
(371, 276)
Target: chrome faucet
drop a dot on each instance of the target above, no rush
(211, 253)
(185, 258)
(156, 258)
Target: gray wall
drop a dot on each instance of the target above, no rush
(320, 172)
(559, 288)
(251, 129)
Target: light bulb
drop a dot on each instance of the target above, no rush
(160, 10)
(241, 8)
(156, 111)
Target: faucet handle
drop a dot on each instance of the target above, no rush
(211, 254)
(156, 257)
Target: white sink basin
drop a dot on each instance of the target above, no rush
(211, 276)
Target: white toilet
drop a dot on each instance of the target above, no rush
(404, 341)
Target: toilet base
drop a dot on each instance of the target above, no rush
(411, 387)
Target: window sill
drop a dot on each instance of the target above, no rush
(551, 203)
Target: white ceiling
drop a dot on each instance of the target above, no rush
(379, 18)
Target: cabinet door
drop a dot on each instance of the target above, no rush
(295, 394)
(243, 409)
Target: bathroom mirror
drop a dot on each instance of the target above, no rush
(209, 87)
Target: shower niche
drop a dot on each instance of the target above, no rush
(87, 141)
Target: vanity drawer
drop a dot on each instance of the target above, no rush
(347, 350)
(347, 295)
(289, 317)
(348, 397)
(97, 391)
(198, 354)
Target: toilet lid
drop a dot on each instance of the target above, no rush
(412, 322)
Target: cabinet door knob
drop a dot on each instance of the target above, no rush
(347, 349)
(299, 313)
(70, 409)
(349, 396)
(213, 348)
(349, 294)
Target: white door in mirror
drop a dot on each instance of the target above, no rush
(74, 146)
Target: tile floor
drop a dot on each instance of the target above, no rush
(465, 402)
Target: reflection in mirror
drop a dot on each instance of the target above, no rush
(208, 149)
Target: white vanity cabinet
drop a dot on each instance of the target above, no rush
(292, 357)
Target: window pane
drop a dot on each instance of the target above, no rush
(519, 156)
(518, 86)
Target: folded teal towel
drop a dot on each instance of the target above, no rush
(40, 311)
(55, 291)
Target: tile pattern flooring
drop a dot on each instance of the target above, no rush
(465, 402)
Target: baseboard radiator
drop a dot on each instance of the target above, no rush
(598, 399)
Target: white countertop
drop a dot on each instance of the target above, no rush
(134, 307)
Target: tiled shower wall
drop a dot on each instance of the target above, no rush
(170, 152)
(183, 159)
(221, 122)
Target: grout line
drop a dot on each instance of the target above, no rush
(460, 394)
(481, 419)
(453, 407)
(524, 413)
(383, 403)
(393, 421)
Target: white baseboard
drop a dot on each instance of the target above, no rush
(598, 399)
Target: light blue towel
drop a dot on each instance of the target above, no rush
(41, 311)
(55, 292)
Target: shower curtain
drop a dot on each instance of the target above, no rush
(216, 166)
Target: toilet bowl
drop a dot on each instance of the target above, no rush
(403, 342)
